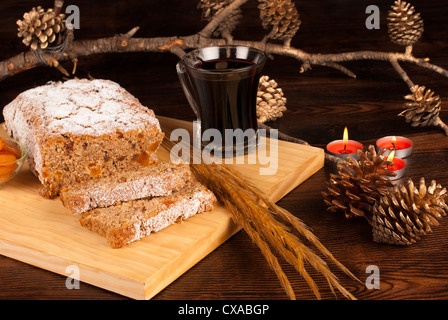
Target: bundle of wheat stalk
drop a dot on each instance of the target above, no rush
(266, 224)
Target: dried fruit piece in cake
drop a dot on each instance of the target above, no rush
(130, 221)
(153, 181)
(81, 129)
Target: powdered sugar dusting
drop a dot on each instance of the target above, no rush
(86, 107)
(90, 107)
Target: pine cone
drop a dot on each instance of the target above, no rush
(405, 27)
(358, 184)
(271, 102)
(40, 28)
(423, 107)
(280, 18)
(212, 7)
(406, 213)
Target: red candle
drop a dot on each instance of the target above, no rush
(401, 145)
(345, 147)
(398, 166)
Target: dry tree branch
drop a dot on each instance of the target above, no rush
(79, 48)
(402, 73)
(126, 43)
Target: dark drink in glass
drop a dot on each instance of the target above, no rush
(221, 85)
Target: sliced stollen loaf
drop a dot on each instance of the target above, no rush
(130, 221)
(81, 129)
(153, 181)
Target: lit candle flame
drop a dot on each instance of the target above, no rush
(394, 141)
(345, 139)
(391, 156)
(345, 136)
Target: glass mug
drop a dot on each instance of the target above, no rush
(221, 85)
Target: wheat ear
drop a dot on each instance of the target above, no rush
(254, 212)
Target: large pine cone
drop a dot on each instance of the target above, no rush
(280, 18)
(271, 102)
(358, 184)
(406, 213)
(212, 7)
(405, 27)
(423, 107)
(40, 28)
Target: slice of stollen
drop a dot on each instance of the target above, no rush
(152, 181)
(130, 221)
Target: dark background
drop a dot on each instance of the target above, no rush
(320, 103)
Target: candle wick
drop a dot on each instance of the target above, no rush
(390, 165)
(345, 148)
(393, 144)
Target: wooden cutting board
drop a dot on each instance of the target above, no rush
(45, 234)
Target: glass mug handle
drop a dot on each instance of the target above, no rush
(186, 86)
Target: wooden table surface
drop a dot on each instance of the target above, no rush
(320, 103)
